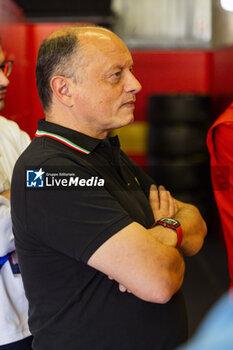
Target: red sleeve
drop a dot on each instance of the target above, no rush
(222, 179)
(223, 143)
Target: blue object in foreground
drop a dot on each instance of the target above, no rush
(216, 331)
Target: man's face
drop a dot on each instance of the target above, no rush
(3, 81)
(105, 95)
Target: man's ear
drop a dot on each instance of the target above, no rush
(61, 88)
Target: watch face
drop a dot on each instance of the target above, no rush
(170, 221)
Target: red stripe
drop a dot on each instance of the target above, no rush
(57, 139)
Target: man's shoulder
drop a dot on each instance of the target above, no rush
(40, 152)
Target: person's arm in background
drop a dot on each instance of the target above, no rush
(222, 180)
(13, 143)
(6, 236)
(7, 244)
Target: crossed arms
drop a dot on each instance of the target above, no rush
(145, 261)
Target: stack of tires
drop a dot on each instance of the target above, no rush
(178, 156)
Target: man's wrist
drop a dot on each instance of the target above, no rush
(171, 236)
(174, 225)
(165, 235)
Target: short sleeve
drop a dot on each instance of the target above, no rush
(74, 222)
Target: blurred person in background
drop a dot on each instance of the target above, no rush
(215, 331)
(14, 331)
(220, 145)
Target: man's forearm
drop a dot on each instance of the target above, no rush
(135, 259)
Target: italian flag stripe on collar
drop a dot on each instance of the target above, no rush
(62, 139)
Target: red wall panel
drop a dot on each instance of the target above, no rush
(222, 80)
(19, 101)
(171, 71)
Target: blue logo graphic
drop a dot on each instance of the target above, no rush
(35, 178)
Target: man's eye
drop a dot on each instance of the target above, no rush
(117, 74)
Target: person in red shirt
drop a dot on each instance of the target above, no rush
(220, 145)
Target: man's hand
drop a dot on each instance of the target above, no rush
(193, 226)
(162, 203)
(121, 287)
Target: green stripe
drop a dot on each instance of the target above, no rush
(61, 138)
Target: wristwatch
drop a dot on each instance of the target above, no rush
(174, 225)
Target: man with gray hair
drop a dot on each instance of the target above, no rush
(100, 247)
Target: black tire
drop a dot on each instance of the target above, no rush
(179, 108)
(202, 199)
(180, 174)
(181, 139)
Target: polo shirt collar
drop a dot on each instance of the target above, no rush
(74, 139)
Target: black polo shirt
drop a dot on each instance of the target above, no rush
(70, 193)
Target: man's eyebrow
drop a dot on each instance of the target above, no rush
(115, 66)
(118, 66)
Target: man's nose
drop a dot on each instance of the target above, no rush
(3, 79)
(132, 84)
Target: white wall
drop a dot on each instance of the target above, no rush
(164, 23)
(222, 34)
(173, 23)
